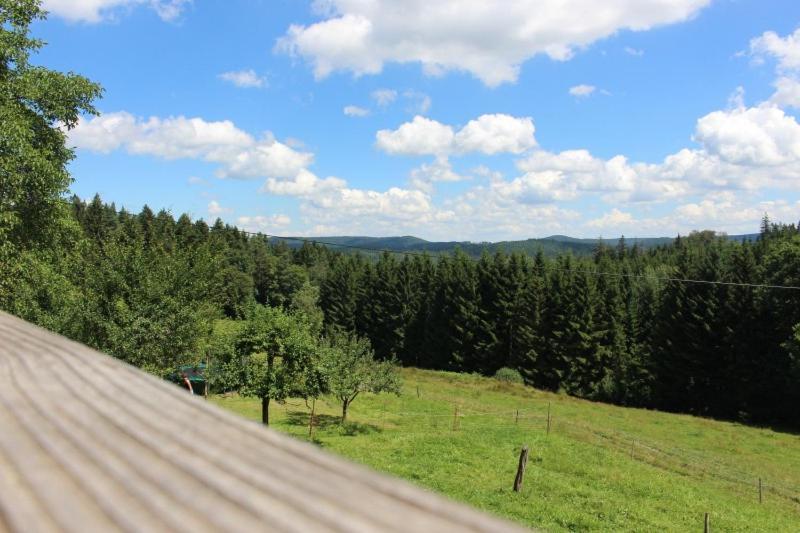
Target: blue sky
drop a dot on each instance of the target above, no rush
(456, 120)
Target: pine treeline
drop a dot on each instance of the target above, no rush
(611, 328)
(146, 288)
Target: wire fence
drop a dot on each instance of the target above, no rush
(681, 461)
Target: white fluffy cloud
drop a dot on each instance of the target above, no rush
(786, 50)
(304, 184)
(787, 93)
(384, 97)
(244, 78)
(740, 149)
(261, 223)
(355, 111)
(421, 136)
(214, 209)
(486, 211)
(614, 219)
(738, 154)
(720, 211)
(423, 177)
(331, 203)
(582, 91)
(93, 11)
(494, 134)
(762, 135)
(489, 39)
(239, 154)
(333, 195)
(418, 103)
(533, 188)
(488, 134)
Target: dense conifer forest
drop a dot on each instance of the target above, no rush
(615, 326)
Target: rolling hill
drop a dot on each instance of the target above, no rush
(550, 246)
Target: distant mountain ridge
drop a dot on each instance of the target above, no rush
(550, 246)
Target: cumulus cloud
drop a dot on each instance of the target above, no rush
(304, 184)
(330, 202)
(723, 211)
(244, 78)
(238, 154)
(241, 155)
(614, 219)
(488, 134)
(94, 11)
(786, 53)
(355, 111)
(738, 153)
(421, 136)
(384, 97)
(582, 91)
(543, 187)
(786, 50)
(214, 209)
(787, 93)
(762, 135)
(739, 149)
(418, 103)
(423, 177)
(261, 223)
(494, 134)
(489, 39)
(488, 210)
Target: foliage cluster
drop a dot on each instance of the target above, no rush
(509, 375)
(278, 354)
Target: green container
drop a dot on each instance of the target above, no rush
(195, 374)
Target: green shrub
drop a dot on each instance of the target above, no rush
(509, 375)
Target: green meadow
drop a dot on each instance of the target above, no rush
(600, 468)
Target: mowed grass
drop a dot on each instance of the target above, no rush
(601, 468)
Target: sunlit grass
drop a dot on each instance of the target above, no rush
(601, 467)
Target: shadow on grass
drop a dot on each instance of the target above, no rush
(329, 422)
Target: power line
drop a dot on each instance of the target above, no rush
(573, 270)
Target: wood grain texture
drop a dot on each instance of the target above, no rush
(88, 443)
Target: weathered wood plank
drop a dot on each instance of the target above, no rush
(88, 443)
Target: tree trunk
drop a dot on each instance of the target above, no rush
(344, 410)
(265, 411)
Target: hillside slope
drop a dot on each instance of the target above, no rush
(550, 246)
(601, 468)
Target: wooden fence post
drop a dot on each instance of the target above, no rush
(311, 419)
(455, 417)
(706, 524)
(760, 492)
(523, 460)
(516, 418)
(417, 391)
(205, 379)
(548, 418)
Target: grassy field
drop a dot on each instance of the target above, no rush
(601, 468)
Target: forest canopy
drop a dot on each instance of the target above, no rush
(147, 288)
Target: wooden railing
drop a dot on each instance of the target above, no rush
(88, 443)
